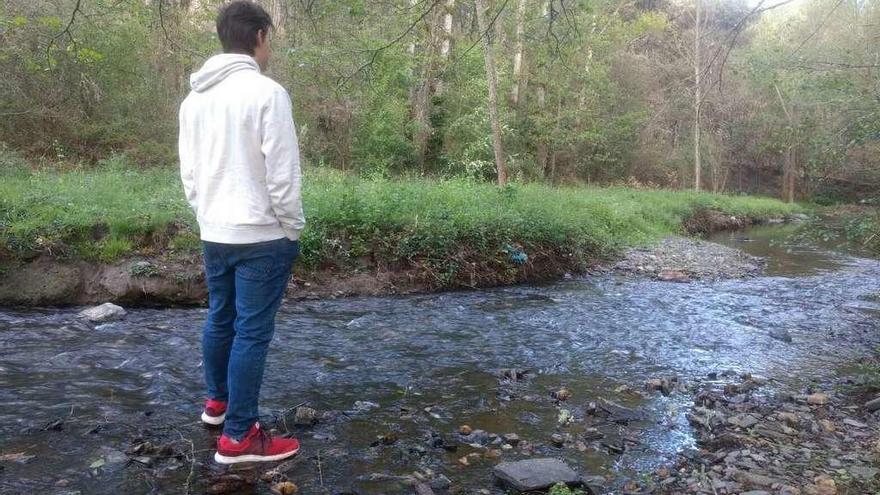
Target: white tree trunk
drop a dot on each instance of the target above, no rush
(491, 77)
(446, 46)
(698, 96)
(518, 79)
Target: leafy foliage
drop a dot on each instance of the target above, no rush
(607, 92)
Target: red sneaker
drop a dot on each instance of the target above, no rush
(214, 413)
(256, 446)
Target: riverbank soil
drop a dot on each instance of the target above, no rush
(176, 278)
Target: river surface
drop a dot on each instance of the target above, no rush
(74, 397)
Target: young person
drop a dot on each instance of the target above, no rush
(239, 162)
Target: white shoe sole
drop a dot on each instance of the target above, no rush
(222, 459)
(213, 420)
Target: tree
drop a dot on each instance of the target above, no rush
(491, 79)
(698, 93)
(518, 74)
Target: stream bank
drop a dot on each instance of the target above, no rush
(176, 279)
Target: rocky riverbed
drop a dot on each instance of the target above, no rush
(634, 383)
(681, 259)
(758, 441)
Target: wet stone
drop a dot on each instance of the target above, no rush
(863, 472)
(781, 334)
(592, 434)
(441, 482)
(535, 474)
(305, 416)
(478, 436)
(562, 394)
(513, 374)
(790, 418)
(670, 275)
(512, 438)
(103, 313)
(423, 489)
(744, 421)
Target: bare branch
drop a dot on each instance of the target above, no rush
(819, 27)
(65, 31)
(376, 51)
(734, 34)
(168, 38)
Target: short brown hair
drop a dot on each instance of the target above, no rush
(238, 24)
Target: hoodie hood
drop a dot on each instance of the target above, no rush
(218, 68)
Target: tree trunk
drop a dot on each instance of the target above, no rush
(491, 78)
(543, 149)
(420, 96)
(518, 79)
(698, 94)
(446, 46)
(421, 102)
(278, 12)
(788, 166)
(791, 174)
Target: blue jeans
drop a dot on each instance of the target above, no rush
(246, 283)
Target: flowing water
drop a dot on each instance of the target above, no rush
(74, 397)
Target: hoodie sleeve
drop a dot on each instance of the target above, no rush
(184, 149)
(281, 151)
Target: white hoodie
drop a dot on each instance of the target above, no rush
(239, 156)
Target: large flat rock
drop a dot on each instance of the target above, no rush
(535, 474)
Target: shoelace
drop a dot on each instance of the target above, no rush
(265, 438)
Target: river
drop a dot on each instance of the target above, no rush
(74, 396)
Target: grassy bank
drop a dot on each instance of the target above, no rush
(453, 232)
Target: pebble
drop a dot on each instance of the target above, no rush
(511, 438)
(423, 489)
(364, 405)
(790, 418)
(827, 426)
(562, 394)
(285, 488)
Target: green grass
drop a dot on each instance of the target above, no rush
(440, 225)
(104, 213)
